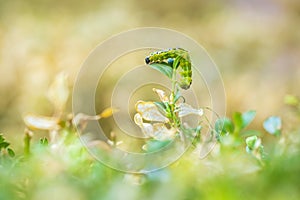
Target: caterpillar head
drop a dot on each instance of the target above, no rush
(147, 60)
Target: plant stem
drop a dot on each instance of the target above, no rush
(175, 120)
(173, 84)
(27, 139)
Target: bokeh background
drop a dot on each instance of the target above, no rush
(255, 44)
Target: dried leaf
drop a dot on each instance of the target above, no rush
(41, 122)
(58, 92)
(149, 111)
(80, 120)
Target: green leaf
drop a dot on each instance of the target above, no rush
(237, 120)
(176, 62)
(251, 142)
(11, 153)
(1, 138)
(177, 96)
(4, 145)
(44, 141)
(224, 126)
(247, 118)
(242, 120)
(273, 125)
(163, 68)
(164, 108)
(155, 145)
(168, 110)
(160, 105)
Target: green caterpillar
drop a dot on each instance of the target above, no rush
(168, 56)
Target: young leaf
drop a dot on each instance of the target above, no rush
(177, 96)
(163, 68)
(247, 118)
(176, 62)
(44, 141)
(161, 107)
(242, 120)
(1, 138)
(273, 125)
(252, 142)
(10, 152)
(237, 120)
(224, 126)
(4, 145)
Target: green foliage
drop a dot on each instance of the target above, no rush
(242, 120)
(255, 148)
(66, 167)
(231, 133)
(163, 68)
(251, 142)
(4, 147)
(224, 126)
(44, 141)
(236, 126)
(237, 166)
(33, 48)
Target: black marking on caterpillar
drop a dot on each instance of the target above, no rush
(168, 57)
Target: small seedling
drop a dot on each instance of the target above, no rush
(162, 121)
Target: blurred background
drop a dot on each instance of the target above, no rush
(255, 44)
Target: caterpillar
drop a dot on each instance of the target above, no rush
(168, 56)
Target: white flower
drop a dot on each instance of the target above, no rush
(149, 111)
(184, 109)
(163, 97)
(157, 131)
